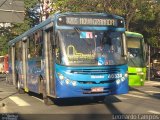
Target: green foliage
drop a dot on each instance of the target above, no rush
(30, 3)
(3, 45)
(16, 29)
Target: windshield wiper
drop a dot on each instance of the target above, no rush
(77, 30)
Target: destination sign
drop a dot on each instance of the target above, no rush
(90, 21)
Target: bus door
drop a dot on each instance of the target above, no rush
(24, 63)
(49, 62)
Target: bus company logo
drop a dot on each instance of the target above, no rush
(95, 76)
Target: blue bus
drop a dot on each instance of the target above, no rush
(72, 55)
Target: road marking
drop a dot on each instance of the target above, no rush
(132, 92)
(19, 101)
(154, 112)
(121, 98)
(153, 91)
(152, 83)
(38, 98)
(143, 97)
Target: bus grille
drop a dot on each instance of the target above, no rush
(93, 82)
(95, 72)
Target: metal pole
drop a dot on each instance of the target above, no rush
(13, 65)
(149, 63)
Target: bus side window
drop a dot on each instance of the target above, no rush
(35, 45)
(18, 51)
(31, 47)
(38, 43)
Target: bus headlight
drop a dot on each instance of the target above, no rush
(74, 83)
(61, 77)
(118, 81)
(123, 79)
(126, 75)
(67, 81)
(60, 19)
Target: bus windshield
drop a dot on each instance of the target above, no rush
(135, 49)
(90, 48)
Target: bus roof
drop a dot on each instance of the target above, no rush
(91, 13)
(27, 33)
(51, 19)
(133, 34)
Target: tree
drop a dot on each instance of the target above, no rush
(17, 28)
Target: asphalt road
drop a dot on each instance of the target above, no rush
(143, 100)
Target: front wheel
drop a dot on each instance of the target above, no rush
(20, 90)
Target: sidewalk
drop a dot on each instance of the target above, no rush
(152, 83)
(6, 90)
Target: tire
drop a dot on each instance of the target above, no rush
(20, 90)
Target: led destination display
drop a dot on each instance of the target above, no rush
(90, 21)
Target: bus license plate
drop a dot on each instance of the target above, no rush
(97, 89)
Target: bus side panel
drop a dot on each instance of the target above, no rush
(137, 76)
(33, 73)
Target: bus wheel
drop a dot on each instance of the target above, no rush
(99, 98)
(20, 90)
(47, 100)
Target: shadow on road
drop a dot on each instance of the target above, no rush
(157, 86)
(94, 114)
(154, 95)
